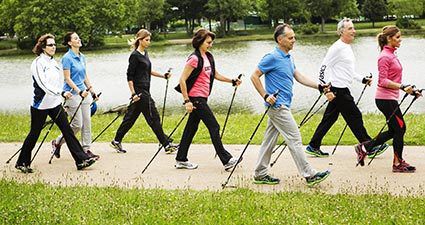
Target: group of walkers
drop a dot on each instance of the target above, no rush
(336, 75)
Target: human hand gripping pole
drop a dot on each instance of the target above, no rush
(416, 94)
(249, 141)
(366, 81)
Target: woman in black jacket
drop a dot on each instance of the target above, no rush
(139, 79)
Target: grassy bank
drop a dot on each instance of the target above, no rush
(15, 127)
(44, 204)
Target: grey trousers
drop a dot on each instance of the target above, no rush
(82, 120)
(281, 121)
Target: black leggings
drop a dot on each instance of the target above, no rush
(204, 113)
(396, 125)
(145, 105)
(38, 118)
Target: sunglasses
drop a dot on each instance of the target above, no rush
(51, 45)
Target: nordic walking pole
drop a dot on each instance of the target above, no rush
(249, 141)
(228, 111)
(417, 94)
(118, 115)
(230, 107)
(165, 96)
(8, 161)
(168, 137)
(72, 118)
(346, 124)
(301, 124)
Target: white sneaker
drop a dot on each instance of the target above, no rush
(232, 162)
(185, 165)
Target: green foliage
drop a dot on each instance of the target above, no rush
(281, 9)
(91, 19)
(374, 10)
(228, 10)
(309, 28)
(402, 8)
(148, 11)
(407, 23)
(44, 204)
(324, 9)
(349, 9)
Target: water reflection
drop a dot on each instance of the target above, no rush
(108, 73)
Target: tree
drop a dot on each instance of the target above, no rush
(227, 10)
(280, 9)
(325, 9)
(403, 8)
(9, 10)
(149, 11)
(189, 10)
(349, 9)
(374, 10)
(92, 19)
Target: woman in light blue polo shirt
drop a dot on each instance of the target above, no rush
(78, 83)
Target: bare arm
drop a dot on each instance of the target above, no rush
(305, 80)
(186, 73)
(156, 74)
(255, 79)
(68, 80)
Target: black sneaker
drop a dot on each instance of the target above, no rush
(56, 149)
(117, 146)
(267, 179)
(317, 178)
(315, 152)
(86, 163)
(92, 155)
(24, 169)
(171, 148)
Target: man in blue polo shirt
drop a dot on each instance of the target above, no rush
(279, 70)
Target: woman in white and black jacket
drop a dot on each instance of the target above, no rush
(47, 100)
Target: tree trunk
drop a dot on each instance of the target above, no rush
(373, 23)
(228, 26)
(322, 26)
(186, 25)
(209, 24)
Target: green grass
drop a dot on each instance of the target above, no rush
(15, 127)
(43, 204)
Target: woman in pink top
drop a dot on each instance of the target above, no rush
(195, 85)
(387, 94)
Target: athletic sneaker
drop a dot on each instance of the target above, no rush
(117, 146)
(267, 179)
(24, 169)
(403, 167)
(171, 148)
(361, 154)
(231, 163)
(315, 152)
(91, 155)
(185, 165)
(86, 163)
(56, 149)
(317, 178)
(378, 149)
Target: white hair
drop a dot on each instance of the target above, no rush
(341, 25)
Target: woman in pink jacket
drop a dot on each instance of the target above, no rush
(387, 95)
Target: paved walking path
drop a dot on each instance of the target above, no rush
(124, 170)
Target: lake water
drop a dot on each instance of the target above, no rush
(107, 71)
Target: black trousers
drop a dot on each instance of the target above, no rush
(396, 125)
(344, 104)
(145, 105)
(38, 118)
(204, 113)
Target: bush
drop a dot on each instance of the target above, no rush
(26, 43)
(156, 36)
(309, 28)
(407, 23)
